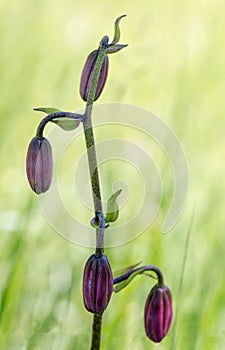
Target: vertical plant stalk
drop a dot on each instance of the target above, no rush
(95, 183)
(96, 332)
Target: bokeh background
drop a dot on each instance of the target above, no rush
(174, 66)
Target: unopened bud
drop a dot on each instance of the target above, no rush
(87, 75)
(158, 313)
(97, 284)
(39, 164)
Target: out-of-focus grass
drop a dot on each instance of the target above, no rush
(174, 66)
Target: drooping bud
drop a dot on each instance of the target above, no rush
(158, 313)
(39, 164)
(97, 284)
(87, 75)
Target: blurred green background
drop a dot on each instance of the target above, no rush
(174, 66)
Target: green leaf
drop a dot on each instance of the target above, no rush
(47, 110)
(67, 124)
(112, 212)
(125, 269)
(115, 48)
(125, 283)
(116, 37)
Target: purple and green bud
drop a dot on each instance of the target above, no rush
(97, 284)
(158, 313)
(39, 164)
(87, 75)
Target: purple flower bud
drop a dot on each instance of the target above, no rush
(87, 75)
(158, 313)
(97, 284)
(39, 164)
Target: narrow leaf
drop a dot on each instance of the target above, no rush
(116, 37)
(47, 110)
(67, 124)
(125, 269)
(125, 283)
(115, 48)
(112, 212)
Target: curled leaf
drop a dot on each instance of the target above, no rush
(117, 30)
(112, 212)
(47, 110)
(95, 222)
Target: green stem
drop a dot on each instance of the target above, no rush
(92, 161)
(96, 332)
(90, 145)
(95, 183)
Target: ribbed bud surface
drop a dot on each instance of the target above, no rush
(87, 75)
(97, 284)
(158, 313)
(39, 164)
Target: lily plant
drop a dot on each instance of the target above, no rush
(99, 282)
